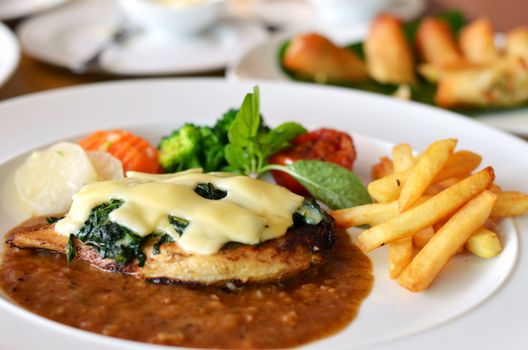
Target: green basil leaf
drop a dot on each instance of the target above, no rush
(332, 184)
(245, 127)
(237, 158)
(280, 137)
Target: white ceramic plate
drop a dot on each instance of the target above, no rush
(475, 303)
(9, 53)
(261, 62)
(71, 34)
(11, 9)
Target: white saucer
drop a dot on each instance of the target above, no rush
(11, 9)
(9, 53)
(295, 14)
(71, 34)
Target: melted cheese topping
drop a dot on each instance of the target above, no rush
(253, 210)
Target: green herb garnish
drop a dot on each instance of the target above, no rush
(332, 184)
(249, 150)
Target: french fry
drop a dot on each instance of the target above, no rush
(477, 42)
(484, 243)
(388, 188)
(369, 214)
(423, 173)
(460, 163)
(438, 187)
(382, 169)
(427, 213)
(425, 266)
(423, 236)
(510, 204)
(400, 255)
(402, 157)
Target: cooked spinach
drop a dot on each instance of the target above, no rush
(109, 239)
(178, 223)
(163, 239)
(208, 191)
(70, 248)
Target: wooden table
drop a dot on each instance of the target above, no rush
(33, 76)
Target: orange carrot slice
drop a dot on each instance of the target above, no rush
(134, 152)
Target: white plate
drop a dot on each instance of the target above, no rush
(9, 53)
(262, 62)
(292, 14)
(11, 9)
(71, 34)
(475, 303)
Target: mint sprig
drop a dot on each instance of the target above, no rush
(250, 145)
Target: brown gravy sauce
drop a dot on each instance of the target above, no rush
(313, 305)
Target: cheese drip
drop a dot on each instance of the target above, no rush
(253, 210)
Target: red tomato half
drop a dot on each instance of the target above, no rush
(321, 144)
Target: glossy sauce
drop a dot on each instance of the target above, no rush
(311, 306)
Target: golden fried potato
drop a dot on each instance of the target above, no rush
(369, 214)
(389, 57)
(429, 165)
(402, 157)
(484, 243)
(426, 214)
(446, 242)
(400, 255)
(477, 42)
(382, 169)
(436, 43)
(388, 188)
(423, 236)
(315, 57)
(459, 164)
(510, 204)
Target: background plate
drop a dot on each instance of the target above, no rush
(262, 62)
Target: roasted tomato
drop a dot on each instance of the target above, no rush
(321, 144)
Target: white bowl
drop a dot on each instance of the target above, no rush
(343, 11)
(178, 21)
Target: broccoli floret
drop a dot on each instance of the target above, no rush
(223, 124)
(212, 150)
(180, 150)
(194, 146)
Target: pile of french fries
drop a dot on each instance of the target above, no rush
(430, 207)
